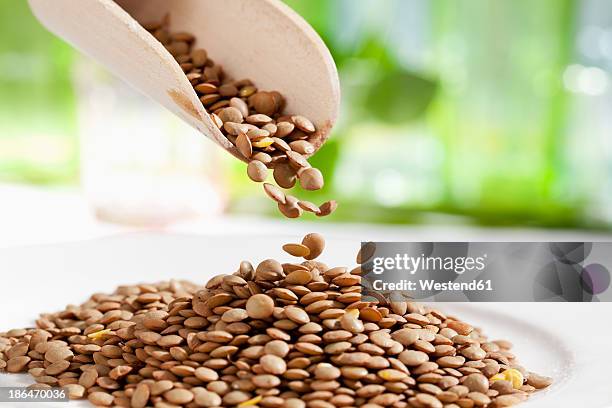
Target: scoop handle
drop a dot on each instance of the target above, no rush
(103, 31)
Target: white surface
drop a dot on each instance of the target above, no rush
(34, 216)
(567, 341)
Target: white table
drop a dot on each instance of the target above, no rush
(563, 340)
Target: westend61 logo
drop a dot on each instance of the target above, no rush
(487, 271)
(412, 264)
(420, 270)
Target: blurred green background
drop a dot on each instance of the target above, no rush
(496, 113)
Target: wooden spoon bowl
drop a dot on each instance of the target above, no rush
(263, 40)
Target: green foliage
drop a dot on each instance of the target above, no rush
(489, 91)
(399, 96)
(37, 107)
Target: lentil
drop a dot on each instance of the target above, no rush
(250, 118)
(275, 335)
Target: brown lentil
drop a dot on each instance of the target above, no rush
(327, 208)
(299, 250)
(260, 306)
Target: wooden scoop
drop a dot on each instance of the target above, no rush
(263, 40)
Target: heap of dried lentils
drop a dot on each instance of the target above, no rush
(252, 120)
(276, 335)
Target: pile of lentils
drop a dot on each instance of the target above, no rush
(253, 121)
(295, 335)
